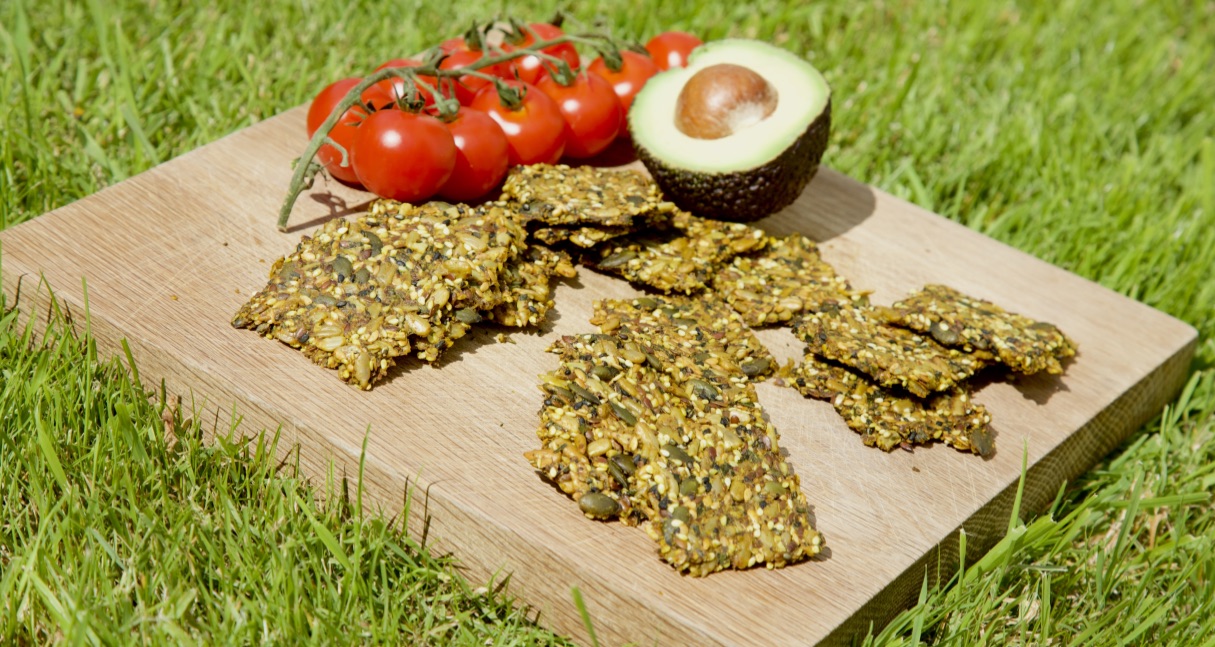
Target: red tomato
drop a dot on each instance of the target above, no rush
(634, 72)
(530, 68)
(466, 87)
(453, 44)
(535, 130)
(403, 156)
(343, 132)
(482, 156)
(386, 93)
(671, 48)
(592, 111)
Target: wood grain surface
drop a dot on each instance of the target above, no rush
(168, 256)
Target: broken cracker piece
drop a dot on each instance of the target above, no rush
(527, 289)
(857, 336)
(954, 319)
(886, 418)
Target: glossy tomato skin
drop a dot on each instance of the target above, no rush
(671, 48)
(403, 156)
(535, 131)
(482, 156)
(343, 132)
(466, 87)
(531, 68)
(386, 93)
(634, 72)
(453, 44)
(592, 111)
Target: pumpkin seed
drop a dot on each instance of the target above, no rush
(623, 462)
(374, 242)
(604, 372)
(342, 267)
(598, 505)
(624, 414)
(468, 315)
(944, 334)
(677, 453)
(703, 389)
(586, 395)
(775, 488)
(755, 367)
(689, 486)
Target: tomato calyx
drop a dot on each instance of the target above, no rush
(511, 97)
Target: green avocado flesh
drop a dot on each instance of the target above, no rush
(752, 172)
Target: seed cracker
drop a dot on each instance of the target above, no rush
(887, 419)
(954, 319)
(857, 336)
(784, 279)
(559, 195)
(681, 258)
(359, 293)
(527, 289)
(698, 324)
(682, 449)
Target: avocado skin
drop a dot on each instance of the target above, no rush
(748, 195)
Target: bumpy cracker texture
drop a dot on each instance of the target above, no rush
(561, 195)
(703, 325)
(886, 418)
(682, 258)
(784, 279)
(526, 286)
(954, 319)
(360, 293)
(639, 429)
(858, 337)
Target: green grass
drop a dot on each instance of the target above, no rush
(1080, 132)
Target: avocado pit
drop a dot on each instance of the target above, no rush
(723, 99)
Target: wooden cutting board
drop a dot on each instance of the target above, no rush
(171, 254)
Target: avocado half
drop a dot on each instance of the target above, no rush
(752, 172)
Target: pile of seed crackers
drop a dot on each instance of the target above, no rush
(654, 419)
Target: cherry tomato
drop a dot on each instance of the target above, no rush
(386, 93)
(403, 156)
(635, 70)
(453, 44)
(530, 68)
(592, 111)
(343, 132)
(482, 156)
(466, 87)
(535, 130)
(671, 48)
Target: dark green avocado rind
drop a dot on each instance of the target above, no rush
(750, 194)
